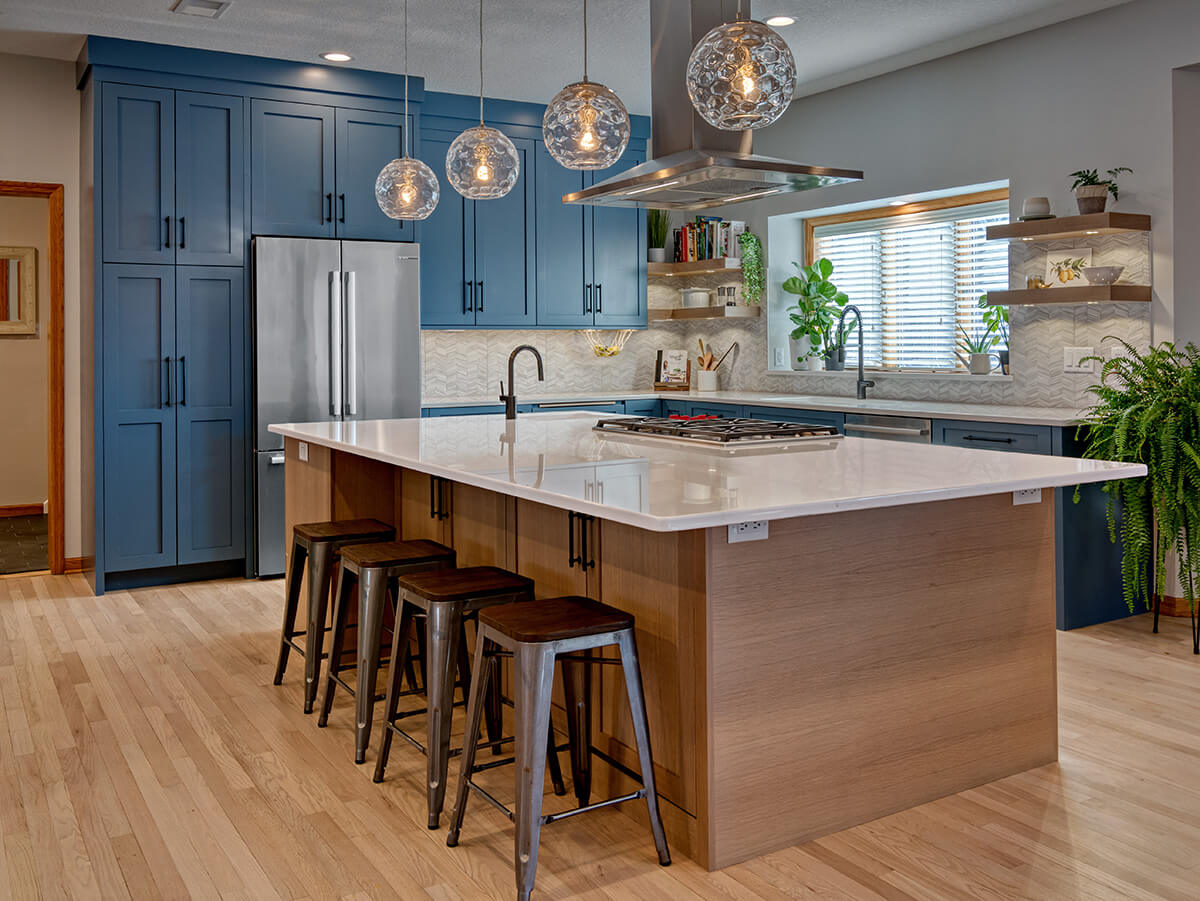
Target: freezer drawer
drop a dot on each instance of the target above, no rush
(269, 537)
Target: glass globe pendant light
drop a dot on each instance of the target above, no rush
(586, 126)
(741, 75)
(482, 163)
(406, 188)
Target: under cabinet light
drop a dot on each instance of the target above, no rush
(336, 56)
(780, 21)
(205, 9)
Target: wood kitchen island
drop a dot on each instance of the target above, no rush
(891, 641)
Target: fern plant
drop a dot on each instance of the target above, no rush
(1148, 411)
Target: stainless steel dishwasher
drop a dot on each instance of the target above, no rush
(889, 428)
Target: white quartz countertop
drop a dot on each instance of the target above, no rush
(1051, 416)
(557, 459)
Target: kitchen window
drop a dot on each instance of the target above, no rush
(916, 272)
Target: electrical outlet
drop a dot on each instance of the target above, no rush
(755, 530)
(1027, 496)
(1073, 359)
(303, 451)
(779, 359)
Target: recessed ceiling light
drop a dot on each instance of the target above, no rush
(780, 21)
(207, 9)
(336, 56)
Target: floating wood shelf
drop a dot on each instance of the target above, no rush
(1082, 294)
(697, 267)
(1067, 227)
(705, 313)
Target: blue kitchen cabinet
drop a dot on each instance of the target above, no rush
(644, 407)
(698, 408)
(137, 150)
(1027, 439)
(209, 180)
(139, 438)
(479, 410)
(366, 142)
(478, 257)
(787, 414)
(210, 421)
(292, 169)
(591, 259)
(618, 258)
(599, 406)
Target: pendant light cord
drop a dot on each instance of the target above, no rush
(480, 62)
(585, 41)
(407, 136)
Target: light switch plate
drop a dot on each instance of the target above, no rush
(779, 357)
(1073, 359)
(303, 451)
(755, 530)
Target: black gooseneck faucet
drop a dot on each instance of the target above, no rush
(863, 383)
(510, 399)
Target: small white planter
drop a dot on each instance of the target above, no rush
(981, 364)
(801, 361)
(656, 254)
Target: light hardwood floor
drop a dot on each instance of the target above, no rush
(144, 753)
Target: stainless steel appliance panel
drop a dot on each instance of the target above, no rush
(269, 537)
(296, 359)
(382, 329)
(889, 428)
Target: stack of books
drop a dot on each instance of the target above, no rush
(708, 238)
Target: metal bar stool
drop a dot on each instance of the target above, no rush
(448, 598)
(318, 543)
(374, 569)
(536, 633)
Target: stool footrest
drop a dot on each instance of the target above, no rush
(548, 818)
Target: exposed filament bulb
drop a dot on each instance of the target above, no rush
(483, 171)
(587, 121)
(408, 192)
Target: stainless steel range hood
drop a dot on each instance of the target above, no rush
(694, 165)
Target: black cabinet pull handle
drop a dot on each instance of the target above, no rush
(167, 363)
(182, 232)
(571, 560)
(166, 231)
(585, 558)
(433, 497)
(342, 207)
(161, 404)
(991, 440)
(599, 297)
(479, 308)
(468, 305)
(587, 298)
(182, 377)
(328, 214)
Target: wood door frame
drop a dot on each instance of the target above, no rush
(55, 258)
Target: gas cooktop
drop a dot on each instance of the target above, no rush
(716, 431)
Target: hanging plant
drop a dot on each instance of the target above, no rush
(1148, 411)
(753, 273)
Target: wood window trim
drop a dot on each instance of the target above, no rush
(57, 506)
(812, 223)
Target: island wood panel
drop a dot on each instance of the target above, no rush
(363, 488)
(480, 526)
(865, 662)
(308, 491)
(412, 491)
(659, 577)
(542, 548)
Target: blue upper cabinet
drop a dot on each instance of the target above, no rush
(563, 245)
(447, 275)
(209, 180)
(618, 276)
(505, 260)
(210, 421)
(366, 142)
(138, 323)
(292, 169)
(138, 174)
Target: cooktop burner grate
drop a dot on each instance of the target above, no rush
(718, 431)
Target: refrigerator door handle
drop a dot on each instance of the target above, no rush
(276, 459)
(350, 303)
(335, 343)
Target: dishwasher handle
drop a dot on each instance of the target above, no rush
(887, 430)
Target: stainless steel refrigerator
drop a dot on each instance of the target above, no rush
(337, 335)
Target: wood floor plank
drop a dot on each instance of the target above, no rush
(144, 753)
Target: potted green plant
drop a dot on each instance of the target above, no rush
(753, 269)
(833, 340)
(1146, 412)
(658, 229)
(819, 303)
(1091, 191)
(995, 318)
(975, 351)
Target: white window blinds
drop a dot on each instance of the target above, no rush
(916, 278)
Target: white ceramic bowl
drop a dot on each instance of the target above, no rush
(696, 297)
(1102, 275)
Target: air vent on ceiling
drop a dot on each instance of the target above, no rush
(206, 9)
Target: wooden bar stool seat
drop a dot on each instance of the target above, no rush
(537, 633)
(319, 545)
(375, 570)
(447, 598)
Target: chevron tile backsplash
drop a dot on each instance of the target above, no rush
(472, 363)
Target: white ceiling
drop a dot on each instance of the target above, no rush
(533, 46)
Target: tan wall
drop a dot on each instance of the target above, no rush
(39, 107)
(23, 374)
